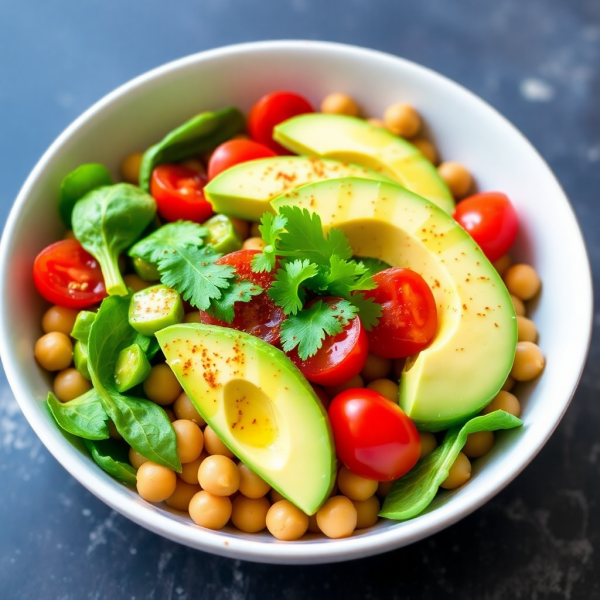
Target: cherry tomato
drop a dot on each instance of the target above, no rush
(178, 193)
(492, 221)
(272, 109)
(234, 152)
(409, 319)
(260, 317)
(65, 274)
(340, 358)
(373, 436)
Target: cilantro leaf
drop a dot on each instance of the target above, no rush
(307, 329)
(241, 290)
(171, 236)
(368, 310)
(194, 274)
(342, 277)
(270, 229)
(373, 265)
(286, 291)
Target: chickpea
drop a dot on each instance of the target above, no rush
(355, 382)
(155, 483)
(457, 178)
(254, 230)
(518, 305)
(478, 444)
(504, 401)
(460, 473)
(339, 104)
(386, 387)
(376, 123)
(254, 243)
(402, 119)
(427, 149)
(130, 168)
(251, 485)
(69, 384)
(184, 492)
(509, 384)
(136, 459)
(189, 471)
(376, 367)
(161, 386)
(529, 362)
(170, 414)
(185, 409)
(135, 282)
(276, 496)
(242, 227)
(367, 512)
(398, 367)
(286, 522)
(210, 511)
(428, 443)
(59, 318)
(384, 487)
(354, 486)
(250, 514)
(219, 475)
(194, 164)
(337, 518)
(214, 445)
(54, 351)
(502, 264)
(192, 317)
(190, 440)
(527, 331)
(313, 526)
(522, 281)
(113, 432)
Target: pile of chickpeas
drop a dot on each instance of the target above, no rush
(214, 487)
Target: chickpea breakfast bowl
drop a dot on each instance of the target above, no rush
(289, 469)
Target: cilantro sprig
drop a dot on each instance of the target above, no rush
(311, 263)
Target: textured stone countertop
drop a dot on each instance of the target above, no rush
(538, 62)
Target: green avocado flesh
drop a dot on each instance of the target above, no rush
(473, 350)
(259, 404)
(354, 140)
(246, 190)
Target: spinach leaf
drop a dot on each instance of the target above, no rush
(113, 459)
(84, 416)
(143, 424)
(411, 494)
(107, 221)
(201, 133)
(149, 345)
(77, 184)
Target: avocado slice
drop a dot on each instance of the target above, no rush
(473, 351)
(355, 140)
(259, 404)
(245, 190)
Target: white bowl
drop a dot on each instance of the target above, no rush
(463, 127)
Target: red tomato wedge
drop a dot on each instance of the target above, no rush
(409, 319)
(65, 274)
(272, 109)
(234, 152)
(492, 221)
(373, 436)
(259, 317)
(179, 194)
(340, 358)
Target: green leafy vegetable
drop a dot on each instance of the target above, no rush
(84, 416)
(373, 265)
(109, 219)
(307, 329)
(286, 290)
(77, 184)
(112, 458)
(270, 229)
(240, 291)
(201, 133)
(411, 494)
(143, 424)
(369, 311)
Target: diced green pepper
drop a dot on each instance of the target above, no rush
(155, 308)
(132, 367)
(80, 359)
(146, 270)
(222, 235)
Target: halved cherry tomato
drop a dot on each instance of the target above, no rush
(272, 109)
(260, 317)
(373, 436)
(492, 221)
(65, 274)
(178, 193)
(409, 319)
(234, 152)
(340, 358)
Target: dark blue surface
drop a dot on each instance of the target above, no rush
(538, 62)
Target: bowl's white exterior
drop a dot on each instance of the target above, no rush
(463, 127)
